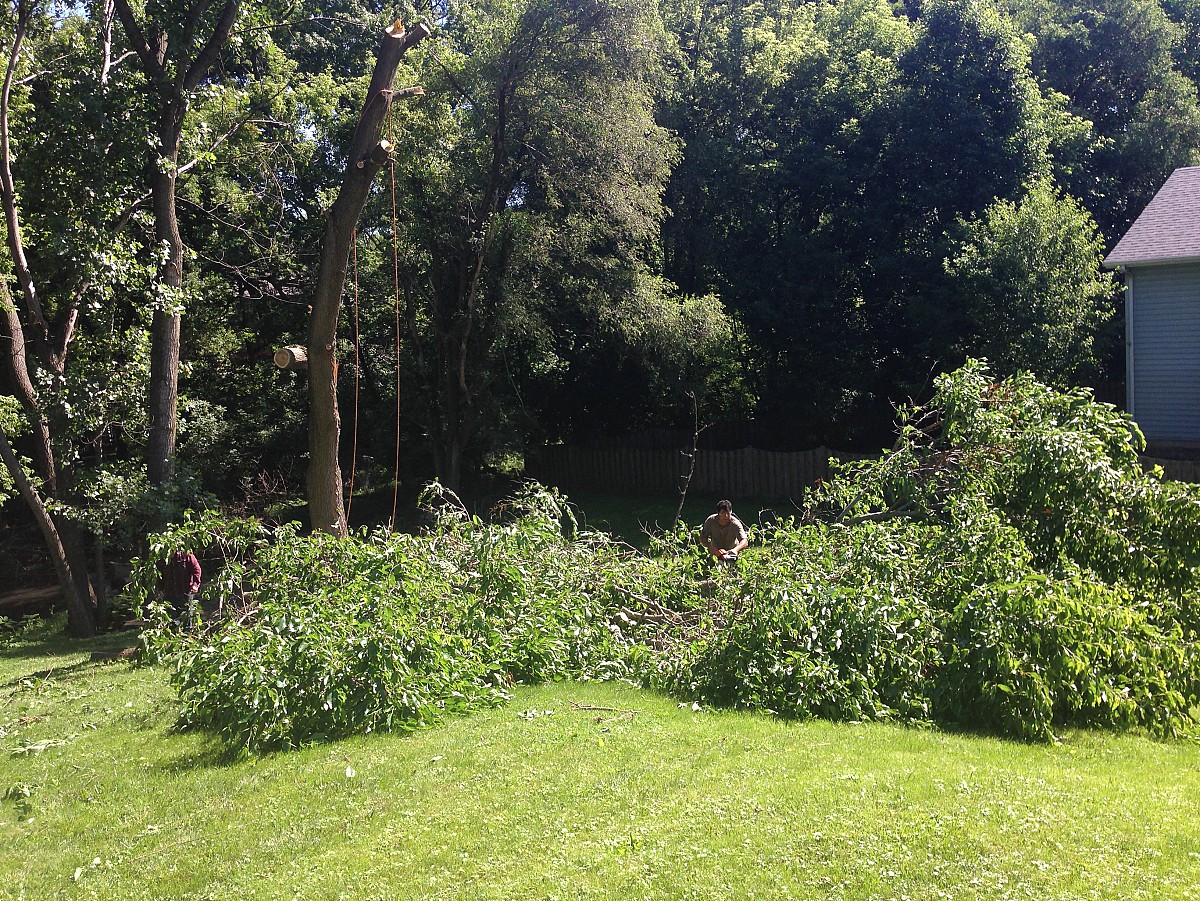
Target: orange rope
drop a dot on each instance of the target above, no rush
(357, 367)
(396, 280)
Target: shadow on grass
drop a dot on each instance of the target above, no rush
(55, 673)
(48, 638)
(212, 755)
(215, 755)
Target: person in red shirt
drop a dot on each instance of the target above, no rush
(179, 581)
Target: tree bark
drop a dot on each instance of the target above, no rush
(107, 14)
(163, 396)
(26, 393)
(174, 73)
(13, 335)
(366, 157)
(69, 561)
(80, 621)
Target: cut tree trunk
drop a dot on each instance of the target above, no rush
(366, 157)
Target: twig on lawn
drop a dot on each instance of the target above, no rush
(617, 710)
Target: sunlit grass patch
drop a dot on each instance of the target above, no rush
(572, 791)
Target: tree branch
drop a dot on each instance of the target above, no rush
(8, 191)
(124, 217)
(191, 164)
(137, 38)
(206, 57)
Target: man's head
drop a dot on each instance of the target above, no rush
(724, 512)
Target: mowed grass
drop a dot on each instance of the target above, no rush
(631, 517)
(570, 791)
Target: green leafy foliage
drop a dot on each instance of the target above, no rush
(1007, 567)
(1121, 64)
(1032, 286)
(1022, 658)
(1058, 578)
(385, 631)
(801, 641)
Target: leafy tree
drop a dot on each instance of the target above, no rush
(532, 176)
(250, 213)
(965, 127)
(774, 104)
(1186, 16)
(176, 44)
(969, 127)
(10, 424)
(70, 259)
(1115, 62)
(637, 364)
(1032, 287)
(74, 230)
(829, 151)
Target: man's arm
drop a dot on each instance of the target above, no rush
(709, 542)
(743, 538)
(193, 573)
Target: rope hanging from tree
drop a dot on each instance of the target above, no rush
(396, 308)
(357, 368)
(357, 338)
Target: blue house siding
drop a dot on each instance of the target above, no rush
(1164, 347)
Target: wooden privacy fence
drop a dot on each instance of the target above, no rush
(748, 472)
(1177, 470)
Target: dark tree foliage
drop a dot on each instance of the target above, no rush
(828, 151)
(1115, 60)
(794, 213)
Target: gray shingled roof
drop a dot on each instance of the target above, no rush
(1168, 231)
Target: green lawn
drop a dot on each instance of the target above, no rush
(630, 516)
(570, 791)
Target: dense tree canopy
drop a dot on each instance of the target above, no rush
(791, 213)
(1030, 289)
(1116, 63)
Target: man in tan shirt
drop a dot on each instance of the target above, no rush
(723, 534)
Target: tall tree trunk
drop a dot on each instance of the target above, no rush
(163, 395)
(12, 334)
(43, 451)
(70, 565)
(174, 72)
(367, 155)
